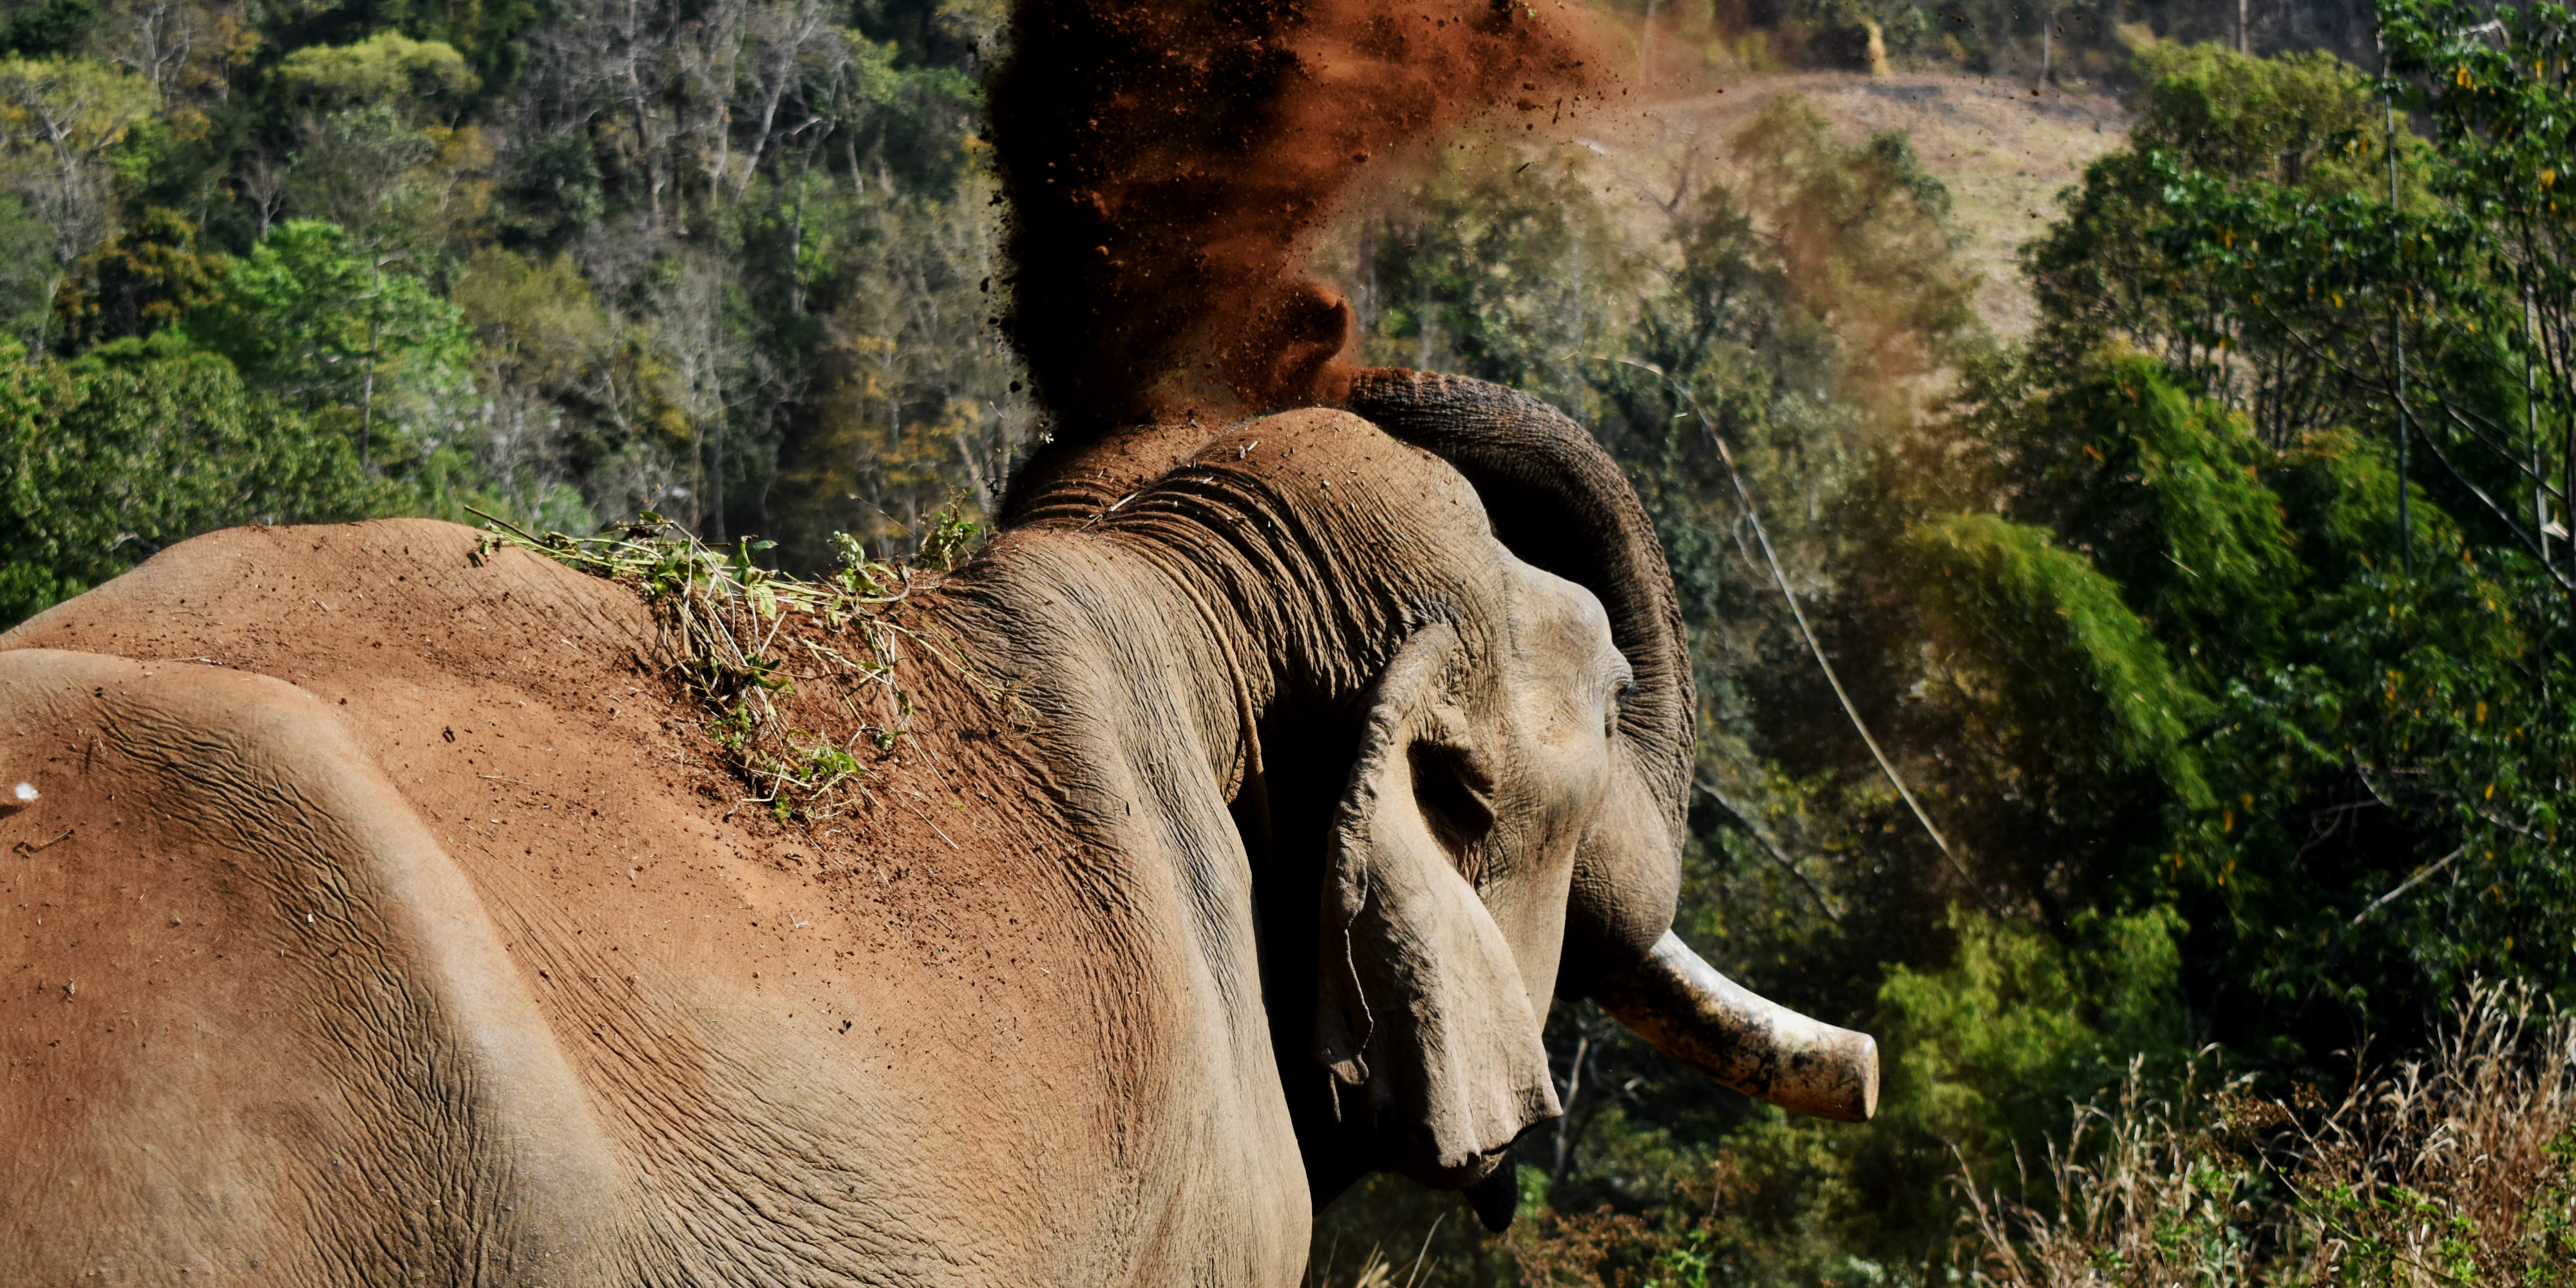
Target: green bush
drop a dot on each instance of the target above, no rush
(140, 444)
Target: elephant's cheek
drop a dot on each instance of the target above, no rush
(1627, 879)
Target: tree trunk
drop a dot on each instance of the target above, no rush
(715, 483)
(635, 97)
(1565, 1103)
(2531, 421)
(2043, 52)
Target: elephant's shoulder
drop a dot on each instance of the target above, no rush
(257, 1016)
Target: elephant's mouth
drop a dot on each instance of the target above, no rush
(1496, 1195)
(1489, 1180)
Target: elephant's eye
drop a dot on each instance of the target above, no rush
(1627, 688)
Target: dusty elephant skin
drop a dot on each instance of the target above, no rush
(380, 919)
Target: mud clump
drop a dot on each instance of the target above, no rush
(1167, 162)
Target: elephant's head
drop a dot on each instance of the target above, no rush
(1470, 736)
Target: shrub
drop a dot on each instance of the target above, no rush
(2455, 1167)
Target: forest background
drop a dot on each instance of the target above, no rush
(2218, 627)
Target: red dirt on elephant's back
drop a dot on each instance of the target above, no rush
(508, 700)
(1167, 163)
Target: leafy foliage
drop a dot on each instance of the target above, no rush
(2241, 724)
(2051, 631)
(387, 65)
(2381, 715)
(731, 263)
(2450, 1169)
(139, 444)
(309, 317)
(740, 637)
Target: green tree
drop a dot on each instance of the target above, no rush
(139, 281)
(59, 118)
(49, 30)
(28, 274)
(106, 460)
(2306, 123)
(317, 323)
(383, 67)
(2405, 364)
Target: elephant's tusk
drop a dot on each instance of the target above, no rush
(1740, 1038)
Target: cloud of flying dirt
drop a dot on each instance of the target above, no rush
(1167, 162)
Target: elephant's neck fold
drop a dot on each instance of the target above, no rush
(1124, 654)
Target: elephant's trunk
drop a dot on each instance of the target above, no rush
(1740, 1038)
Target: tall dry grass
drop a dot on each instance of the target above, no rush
(2456, 1168)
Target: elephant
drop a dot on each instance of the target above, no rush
(379, 915)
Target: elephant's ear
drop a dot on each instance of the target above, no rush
(1422, 1008)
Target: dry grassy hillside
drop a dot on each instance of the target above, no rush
(2003, 151)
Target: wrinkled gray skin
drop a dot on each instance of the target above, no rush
(1339, 759)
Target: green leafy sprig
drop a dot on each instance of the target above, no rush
(739, 637)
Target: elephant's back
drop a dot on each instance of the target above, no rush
(886, 1039)
(382, 599)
